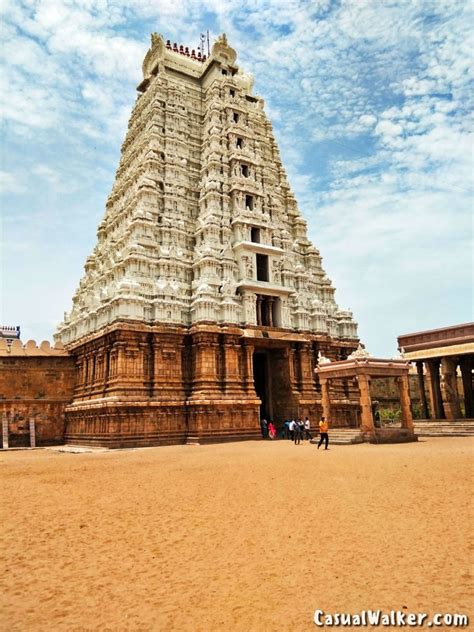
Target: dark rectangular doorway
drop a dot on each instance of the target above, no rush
(261, 376)
(271, 373)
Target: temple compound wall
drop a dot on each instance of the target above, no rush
(36, 385)
(204, 305)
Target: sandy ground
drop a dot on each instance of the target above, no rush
(244, 536)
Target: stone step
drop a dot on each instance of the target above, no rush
(445, 434)
(342, 436)
(444, 424)
(461, 428)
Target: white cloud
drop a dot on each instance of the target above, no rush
(11, 182)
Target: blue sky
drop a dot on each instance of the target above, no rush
(371, 104)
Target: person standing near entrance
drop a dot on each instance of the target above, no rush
(271, 430)
(323, 429)
(264, 428)
(291, 427)
(297, 432)
(307, 426)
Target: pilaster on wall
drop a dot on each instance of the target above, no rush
(248, 381)
(306, 380)
(293, 368)
(205, 377)
(167, 376)
(232, 379)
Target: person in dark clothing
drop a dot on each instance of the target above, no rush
(264, 428)
(297, 432)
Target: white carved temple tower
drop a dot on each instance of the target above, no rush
(203, 304)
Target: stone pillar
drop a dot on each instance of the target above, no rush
(421, 387)
(270, 301)
(404, 389)
(259, 309)
(367, 420)
(436, 399)
(325, 397)
(466, 372)
(451, 405)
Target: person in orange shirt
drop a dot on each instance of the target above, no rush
(323, 429)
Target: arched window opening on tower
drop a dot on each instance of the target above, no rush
(262, 268)
(239, 143)
(224, 72)
(235, 116)
(255, 235)
(249, 202)
(232, 93)
(244, 170)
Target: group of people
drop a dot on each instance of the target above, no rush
(296, 430)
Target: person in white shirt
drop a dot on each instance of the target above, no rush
(292, 429)
(307, 427)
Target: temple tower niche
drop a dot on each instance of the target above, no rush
(202, 271)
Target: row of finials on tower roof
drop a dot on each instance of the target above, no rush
(182, 50)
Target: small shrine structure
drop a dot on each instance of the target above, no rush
(361, 368)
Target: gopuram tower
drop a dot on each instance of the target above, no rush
(203, 305)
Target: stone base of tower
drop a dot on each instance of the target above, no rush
(129, 425)
(144, 385)
(215, 421)
(125, 424)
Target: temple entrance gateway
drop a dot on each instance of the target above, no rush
(263, 383)
(273, 385)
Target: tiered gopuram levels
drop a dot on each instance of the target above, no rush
(203, 305)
